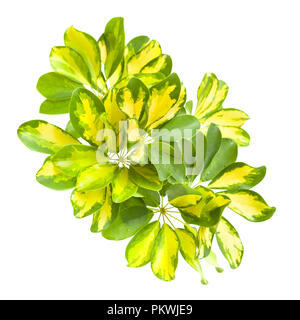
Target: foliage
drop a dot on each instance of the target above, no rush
(128, 189)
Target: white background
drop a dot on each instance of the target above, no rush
(252, 45)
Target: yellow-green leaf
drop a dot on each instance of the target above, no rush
(136, 63)
(55, 106)
(74, 158)
(227, 117)
(211, 94)
(229, 243)
(87, 203)
(114, 113)
(239, 135)
(85, 115)
(145, 177)
(205, 236)
(250, 205)
(51, 177)
(238, 175)
(165, 254)
(104, 216)
(134, 46)
(188, 247)
(70, 63)
(163, 96)
(41, 136)
(95, 177)
(212, 260)
(122, 187)
(55, 86)
(172, 112)
(114, 40)
(139, 249)
(133, 98)
(87, 47)
(161, 64)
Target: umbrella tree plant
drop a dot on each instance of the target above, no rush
(128, 114)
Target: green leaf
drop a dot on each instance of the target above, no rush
(95, 177)
(189, 106)
(85, 115)
(55, 106)
(51, 177)
(139, 249)
(250, 205)
(177, 128)
(41, 136)
(188, 247)
(87, 203)
(165, 254)
(122, 187)
(71, 130)
(229, 243)
(238, 175)
(213, 143)
(145, 177)
(55, 86)
(212, 260)
(150, 197)
(114, 40)
(166, 161)
(132, 216)
(70, 63)
(225, 156)
(87, 47)
(72, 159)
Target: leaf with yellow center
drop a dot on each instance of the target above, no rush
(86, 203)
(41, 136)
(85, 114)
(165, 254)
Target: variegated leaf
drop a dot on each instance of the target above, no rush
(70, 63)
(145, 177)
(51, 177)
(229, 243)
(238, 175)
(250, 205)
(72, 159)
(87, 203)
(161, 64)
(105, 215)
(163, 96)
(133, 98)
(87, 47)
(85, 115)
(165, 254)
(95, 177)
(149, 52)
(41, 136)
(227, 117)
(211, 95)
(122, 187)
(139, 249)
